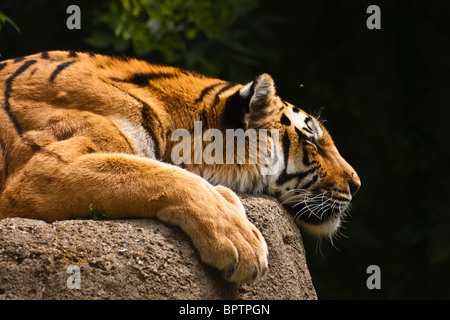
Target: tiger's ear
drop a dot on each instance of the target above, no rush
(251, 102)
(258, 92)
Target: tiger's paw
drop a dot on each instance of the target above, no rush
(233, 244)
(249, 262)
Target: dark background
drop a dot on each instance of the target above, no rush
(384, 94)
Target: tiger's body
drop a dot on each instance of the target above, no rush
(80, 130)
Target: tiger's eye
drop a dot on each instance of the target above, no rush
(310, 124)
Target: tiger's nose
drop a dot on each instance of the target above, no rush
(354, 183)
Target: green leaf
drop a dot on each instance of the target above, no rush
(5, 19)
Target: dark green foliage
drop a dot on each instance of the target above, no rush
(384, 95)
(212, 37)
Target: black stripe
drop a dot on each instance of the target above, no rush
(19, 59)
(44, 55)
(2, 65)
(8, 90)
(72, 54)
(305, 159)
(228, 86)
(285, 120)
(60, 68)
(284, 176)
(204, 119)
(142, 79)
(206, 90)
(147, 117)
(6, 169)
(286, 146)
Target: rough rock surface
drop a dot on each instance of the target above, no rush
(142, 259)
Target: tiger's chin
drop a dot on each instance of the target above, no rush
(319, 224)
(324, 229)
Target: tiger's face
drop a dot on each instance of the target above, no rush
(312, 180)
(316, 184)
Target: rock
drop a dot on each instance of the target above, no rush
(142, 259)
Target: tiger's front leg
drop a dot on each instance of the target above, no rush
(53, 187)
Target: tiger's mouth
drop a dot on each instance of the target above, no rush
(319, 213)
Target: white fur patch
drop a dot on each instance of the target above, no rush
(299, 120)
(245, 91)
(139, 136)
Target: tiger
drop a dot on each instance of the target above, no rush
(82, 130)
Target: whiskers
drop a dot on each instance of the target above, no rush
(318, 205)
(318, 210)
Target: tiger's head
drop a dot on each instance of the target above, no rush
(308, 175)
